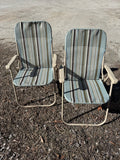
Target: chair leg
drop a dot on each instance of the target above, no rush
(79, 124)
(31, 106)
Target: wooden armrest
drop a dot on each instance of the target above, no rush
(61, 75)
(11, 62)
(111, 76)
(54, 59)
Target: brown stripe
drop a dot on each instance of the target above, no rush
(37, 43)
(88, 91)
(96, 91)
(83, 88)
(83, 53)
(37, 76)
(47, 76)
(24, 43)
(92, 61)
(34, 75)
(47, 44)
(23, 76)
(73, 66)
(88, 54)
(98, 54)
(100, 91)
(33, 41)
(94, 58)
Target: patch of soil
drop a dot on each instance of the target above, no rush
(39, 134)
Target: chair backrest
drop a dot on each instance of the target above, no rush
(34, 42)
(85, 49)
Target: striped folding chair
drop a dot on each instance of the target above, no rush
(34, 49)
(80, 75)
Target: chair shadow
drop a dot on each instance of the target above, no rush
(82, 114)
(23, 61)
(113, 120)
(82, 86)
(72, 74)
(38, 100)
(113, 69)
(93, 109)
(114, 106)
(59, 86)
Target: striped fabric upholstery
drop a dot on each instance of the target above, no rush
(33, 77)
(84, 53)
(34, 42)
(85, 49)
(85, 92)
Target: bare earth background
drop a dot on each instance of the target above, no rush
(39, 134)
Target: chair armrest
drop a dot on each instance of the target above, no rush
(11, 62)
(54, 59)
(111, 76)
(61, 75)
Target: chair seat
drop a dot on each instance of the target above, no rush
(85, 92)
(33, 77)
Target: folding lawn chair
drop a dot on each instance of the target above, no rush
(34, 49)
(84, 58)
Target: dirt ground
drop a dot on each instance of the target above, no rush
(38, 133)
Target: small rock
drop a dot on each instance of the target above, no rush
(96, 143)
(77, 145)
(49, 150)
